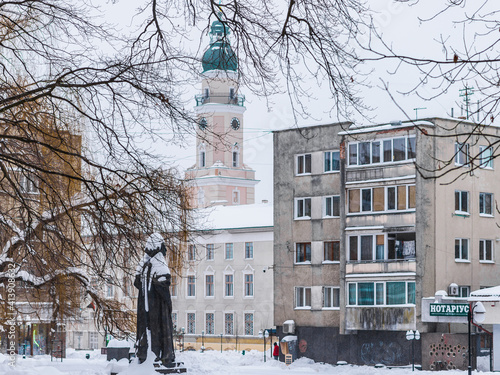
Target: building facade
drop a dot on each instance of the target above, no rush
(370, 220)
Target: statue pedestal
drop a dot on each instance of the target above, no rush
(174, 368)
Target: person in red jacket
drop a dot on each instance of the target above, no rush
(276, 351)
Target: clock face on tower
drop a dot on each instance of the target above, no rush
(203, 123)
(235, 123)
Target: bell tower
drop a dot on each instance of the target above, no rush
(220, 176)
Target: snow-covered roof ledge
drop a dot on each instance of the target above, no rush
(487, 294)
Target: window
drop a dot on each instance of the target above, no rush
(485, 157)
(331, 297)
(110, 290)
(210, 323)
(461, 154)
(191, 286)
(209, 285)
(248, 285)
(303, 208)
(173, 286)
(381, 293)
(229, 251)
(486, 250)
(332, 161)
(210, 251)
(302, 297)
(174, 319)
(191, 323)
(382, 151)
(303, 164)
(486, 204)
(248, 250)
(463, 291)
(248, 324)
(28, 183)
(331, 251)
(462, 201)
(332, 206)
(368, 247)
(236, 156)
(229, 324)
(303, 252)
(202, 156)
(379, 199)
(93, 340)
(229, 285)
(201, 197)
(191, 252)
(236, 196)
(461, 249)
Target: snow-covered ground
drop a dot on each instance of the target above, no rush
(208, 363)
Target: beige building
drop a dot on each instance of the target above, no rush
(369, 220)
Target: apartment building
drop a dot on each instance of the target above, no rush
(370, 220)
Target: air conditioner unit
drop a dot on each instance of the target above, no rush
(289, 327)
(453, 290)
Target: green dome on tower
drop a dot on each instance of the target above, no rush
(219, 55)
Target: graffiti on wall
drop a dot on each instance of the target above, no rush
(381, 352)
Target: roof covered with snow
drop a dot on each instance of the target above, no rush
(259, 215)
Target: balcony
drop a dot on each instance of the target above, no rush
(385, 266)
(220, 98)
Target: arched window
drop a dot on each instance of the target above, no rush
(202, 154)
(236, 196)
(236, 156)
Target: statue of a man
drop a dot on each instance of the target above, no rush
(154, 306)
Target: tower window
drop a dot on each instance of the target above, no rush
(236, 156)
(202, 156)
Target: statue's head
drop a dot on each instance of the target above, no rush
(155, 244)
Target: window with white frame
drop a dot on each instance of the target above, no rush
(331, 206)
(191, 323)
(461, 249)
(331, 297)
(379, 199)
(303, 164)
(302, 208)
(210, 323)
(191, 252)
(381, 293)
(202, 156)
(228, 254)
(248, 284)
(93, 340)
(486, 250)
(28, 183)
(302, 297)
(248, 250)
(461, 201)
(486, 204)
(381, 247)
(229, 285)
(332, 161)
(463, 291)
(191, 286)
(382, 151)
(110, 290)
(209, 285)
(210, 250)
(174, 319)
(462, 155)
(248, 324)
(485, 157)
(302, 252)
(228, 323)
(331, 250)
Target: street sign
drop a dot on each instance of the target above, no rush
(449, 309)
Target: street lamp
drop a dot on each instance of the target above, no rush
(264, 335)
(476, 313)
(202, 341)
(221, 342)
(410, 335)
(183, 330)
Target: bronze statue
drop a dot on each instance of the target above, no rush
(154, 306)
